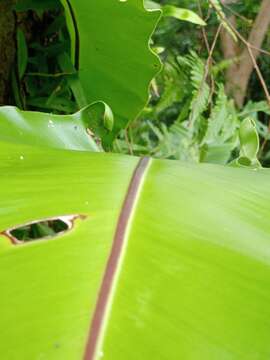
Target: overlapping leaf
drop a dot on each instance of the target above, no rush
(115, 61)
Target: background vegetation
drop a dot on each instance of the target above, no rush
(207, 88)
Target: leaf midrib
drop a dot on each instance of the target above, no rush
(105, 296)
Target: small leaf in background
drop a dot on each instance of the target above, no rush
(22, 53)
(176, 12)
(249, 139)
(66, 65)
(249, 145)
(182, 14)
(98, 118)
(108, 117)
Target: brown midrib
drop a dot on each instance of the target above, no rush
(113, 260)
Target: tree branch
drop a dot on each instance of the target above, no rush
(239, 74)
(7, 47)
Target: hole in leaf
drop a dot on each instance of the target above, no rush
(39, 230)
(43, 229)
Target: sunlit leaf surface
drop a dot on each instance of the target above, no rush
(192, 274)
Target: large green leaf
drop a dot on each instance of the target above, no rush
(177, 269)
(163, 260)
(115, 61)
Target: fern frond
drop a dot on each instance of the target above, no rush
(201, 90)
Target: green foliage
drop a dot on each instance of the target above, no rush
(193, 121)
(194, 93)
(200, 89)
(39, 230)
(189, 116)
(42, 38)
(64, 86)
(159, 236)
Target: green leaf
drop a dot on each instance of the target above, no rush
(249, 145)
(54, 308)
(182, 14)
(108, 117)
(194, 261)
(162, 259)
(22, 53)
(57, 131)
(114, 44)
(249, 139)
(100, 120)
(176, 12)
